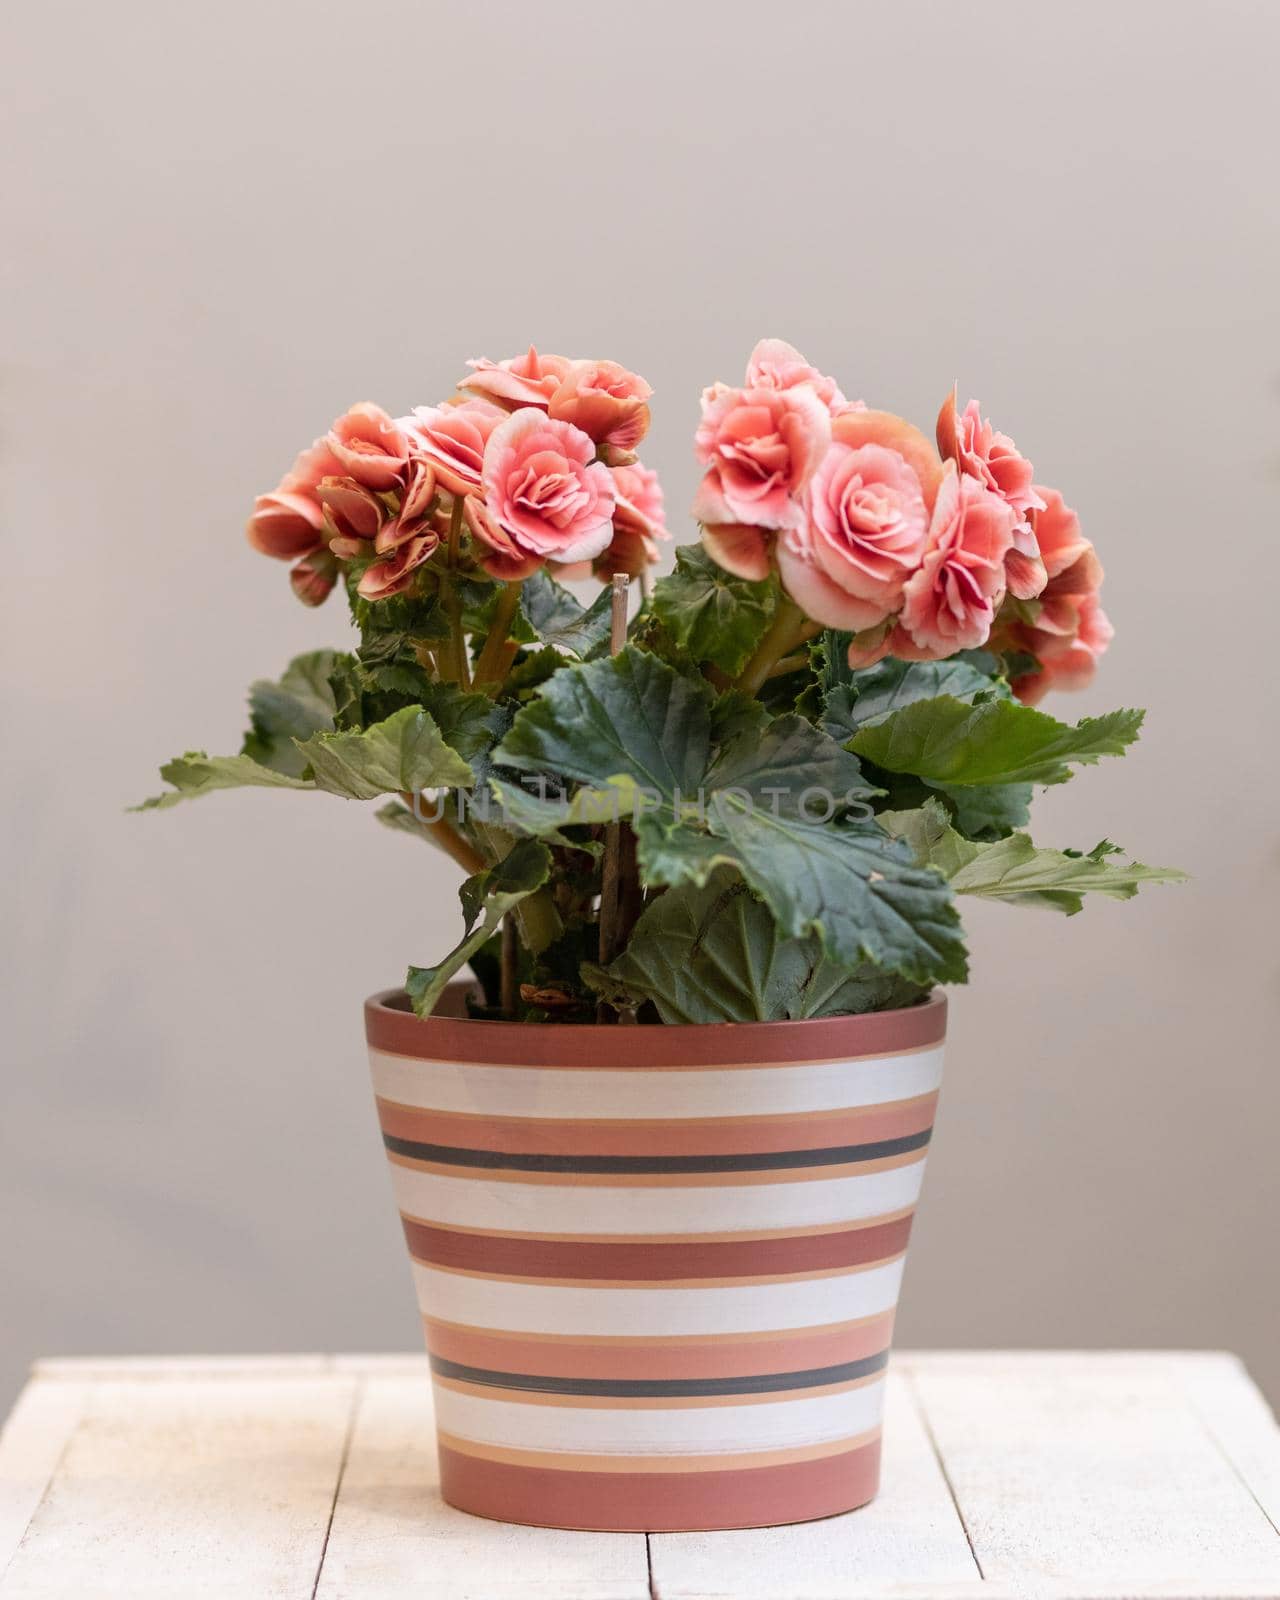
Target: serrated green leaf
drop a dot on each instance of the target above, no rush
(863, 698)
(405, 753)
(711, 614)
(850, 883)
(990, 810)
(1015, 869)
(300, 704)
(469, 723)
(556, 617)
(946, 742)
(852, 699)
(196, 774)
(715, 953)
(708, 782)
(629, 716)
(486, 898)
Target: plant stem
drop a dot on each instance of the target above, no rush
(791, 663)
(611, 865)
(510, 953)
(489, 664)
(789, 628)
(455, 531)
(454, 650)
(442, 833)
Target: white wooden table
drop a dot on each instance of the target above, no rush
(1005, 1475)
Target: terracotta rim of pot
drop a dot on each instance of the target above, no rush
(391, 1026)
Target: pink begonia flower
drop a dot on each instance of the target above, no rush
(371, 447)
(969, 440)
(527, 380)
(760, 448)
(867, 516)
(1071, 564)
(545, 497)
(395, 574)
(452, 439)
(738, 549)
(1066, 661)
(950, 603)
(353, 515)
(1071, 630)
(313, 578)
(847, 564)
(637, 525)
(289, 522)
(412, 519)
(606, 401)
(775, 364)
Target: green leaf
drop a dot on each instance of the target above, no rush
(469, 723)
(714, 953)
(557, 618)
(871, 694)
(486, 898)
(710, 782)
(1015, 869)
(946, 742)
(628, 716)
(849, 700)
(382, 678)
(849, 883)
(196, 774)
(385, 625)
(405, 753)
(710, 613)
(780, 760)
(301, 704)
(991, 810)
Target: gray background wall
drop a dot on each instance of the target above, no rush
(228, 222)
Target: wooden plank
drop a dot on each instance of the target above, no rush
(1232, 1408)
(190, 1487)
(908, 1540)
(1094, 1477)
(117, 1369)
(393, 1537)
(31, 1446)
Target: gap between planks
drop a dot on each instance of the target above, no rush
(357, 1395)
(913, 1390)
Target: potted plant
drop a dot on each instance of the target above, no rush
(657, 1169)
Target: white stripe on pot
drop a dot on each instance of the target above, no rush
(591, 1313)
(773, 1425)
(632, 1092)
(689, 1210)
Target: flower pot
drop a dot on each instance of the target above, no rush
(657, 1266)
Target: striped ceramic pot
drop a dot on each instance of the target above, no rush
(657, 1266)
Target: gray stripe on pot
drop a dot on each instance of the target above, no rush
(755, 1161)
(663, 1388)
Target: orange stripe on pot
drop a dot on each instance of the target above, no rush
(697, 1258)
(645, 1341)
(737, 1235)
(665, 1502)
